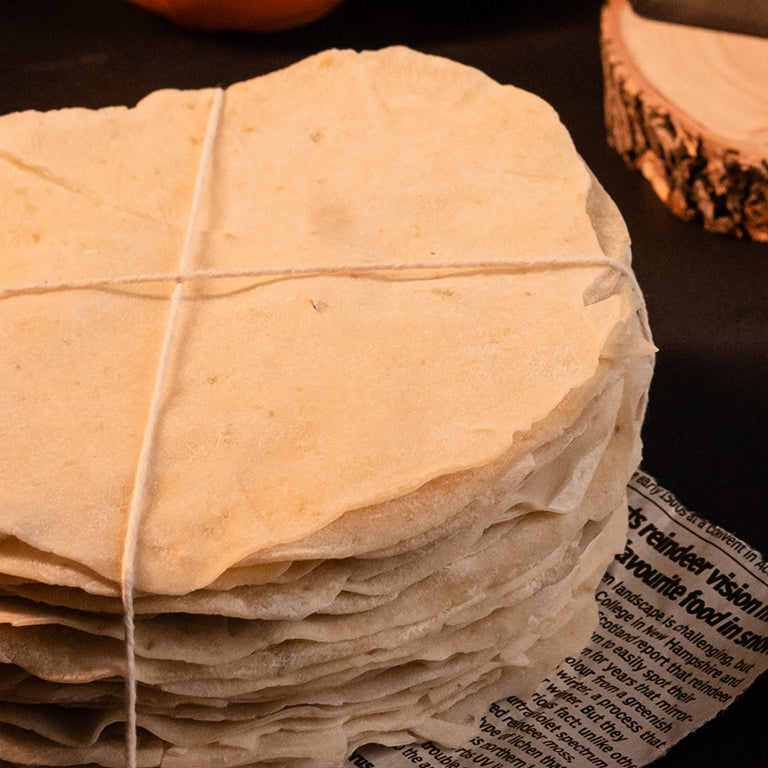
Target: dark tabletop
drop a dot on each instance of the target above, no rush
(706, 434)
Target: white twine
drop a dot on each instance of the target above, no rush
(448, 269)
(439, 270)
(142, 469)
(351, 270)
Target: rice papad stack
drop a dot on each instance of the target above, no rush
(382, 489)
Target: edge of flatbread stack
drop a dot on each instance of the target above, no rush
(403, 399)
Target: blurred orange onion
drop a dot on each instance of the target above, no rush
(240, 15)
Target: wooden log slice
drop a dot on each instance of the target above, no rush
(688, 107)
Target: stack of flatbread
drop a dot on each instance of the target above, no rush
(385, 463)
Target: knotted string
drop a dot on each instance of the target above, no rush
(438, 270)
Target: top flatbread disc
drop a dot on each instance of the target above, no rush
(289, 402)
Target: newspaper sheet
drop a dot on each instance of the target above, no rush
(683, 631)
